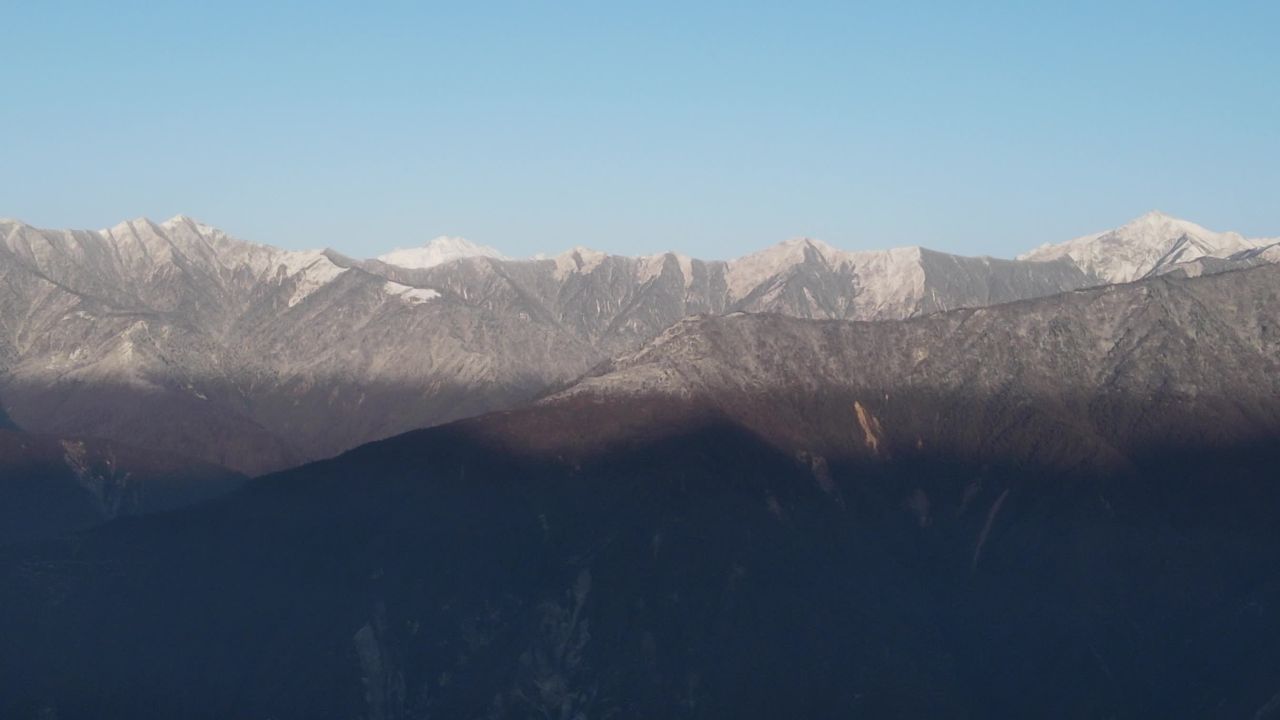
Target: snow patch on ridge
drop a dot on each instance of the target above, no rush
(409, 294)
(310, 269)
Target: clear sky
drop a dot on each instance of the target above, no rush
(713, 128)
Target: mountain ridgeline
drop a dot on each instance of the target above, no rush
(1056, 507)
(176, 336)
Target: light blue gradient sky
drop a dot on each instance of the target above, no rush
(715, 130)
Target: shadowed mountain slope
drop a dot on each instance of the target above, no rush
(52, 486)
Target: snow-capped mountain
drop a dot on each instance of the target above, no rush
(437, 252)
(1150, 245)
(176, 335)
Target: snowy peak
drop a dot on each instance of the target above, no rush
(1144, 246)
(439, 251)
(186, 222)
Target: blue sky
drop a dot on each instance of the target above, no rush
(638, 127)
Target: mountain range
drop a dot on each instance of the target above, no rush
(177, 336)
(1059, 506)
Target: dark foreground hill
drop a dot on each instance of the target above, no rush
(1059, 508)
(51, 486)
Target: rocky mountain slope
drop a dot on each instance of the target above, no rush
(1060, 507)
(175, 335)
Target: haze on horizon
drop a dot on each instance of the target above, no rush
(715, 131)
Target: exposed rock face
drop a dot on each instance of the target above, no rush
(1062, 507)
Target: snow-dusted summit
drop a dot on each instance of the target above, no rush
(439, 251)
(1149, 245)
